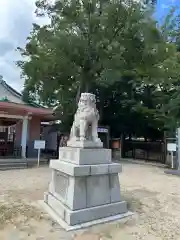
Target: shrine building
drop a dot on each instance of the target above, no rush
(20, 123)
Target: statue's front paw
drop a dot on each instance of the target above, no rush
(96, 140)
(82, 139)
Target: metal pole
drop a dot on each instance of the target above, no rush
(178, 149)
(39, 153)
(172, 160)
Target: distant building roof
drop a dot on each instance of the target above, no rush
(9, 88)
(15, 93)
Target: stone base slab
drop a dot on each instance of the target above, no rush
(78, 190)
(85, 170)
(84, 215)
(173, 172)
(81, 156)
(85, 144)
(67, 227)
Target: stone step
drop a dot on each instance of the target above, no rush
(34, 163)
(13, 164)
(9, 166)
(19, 164)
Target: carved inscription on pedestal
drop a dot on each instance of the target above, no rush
(61, 184)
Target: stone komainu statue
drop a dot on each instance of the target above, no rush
(85, 122)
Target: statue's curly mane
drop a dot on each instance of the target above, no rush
(89, 110)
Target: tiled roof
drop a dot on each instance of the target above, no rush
(15, 93)
(9, 88)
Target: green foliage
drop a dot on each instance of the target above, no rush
(107, 48)
(171, 68)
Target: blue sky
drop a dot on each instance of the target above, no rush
(16, 17)
(163, 6)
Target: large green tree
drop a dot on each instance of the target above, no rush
(105, 47)
(170, 29)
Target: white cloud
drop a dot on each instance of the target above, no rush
(16, 19)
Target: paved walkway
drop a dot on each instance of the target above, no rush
(154, 196)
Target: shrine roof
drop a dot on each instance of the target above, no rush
(16, 94)
(9, 88)
(12, 100)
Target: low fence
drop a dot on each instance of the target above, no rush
(153, 151)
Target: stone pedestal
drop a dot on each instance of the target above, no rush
(84, 188)
(173, 172)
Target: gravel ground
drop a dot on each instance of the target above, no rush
(152, 195)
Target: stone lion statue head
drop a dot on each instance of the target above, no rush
(87, 101)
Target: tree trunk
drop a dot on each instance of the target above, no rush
(87, 87)
(78, 94)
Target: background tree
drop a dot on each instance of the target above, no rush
(170, 29)
(103, 47)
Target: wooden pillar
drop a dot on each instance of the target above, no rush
(24, 136)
